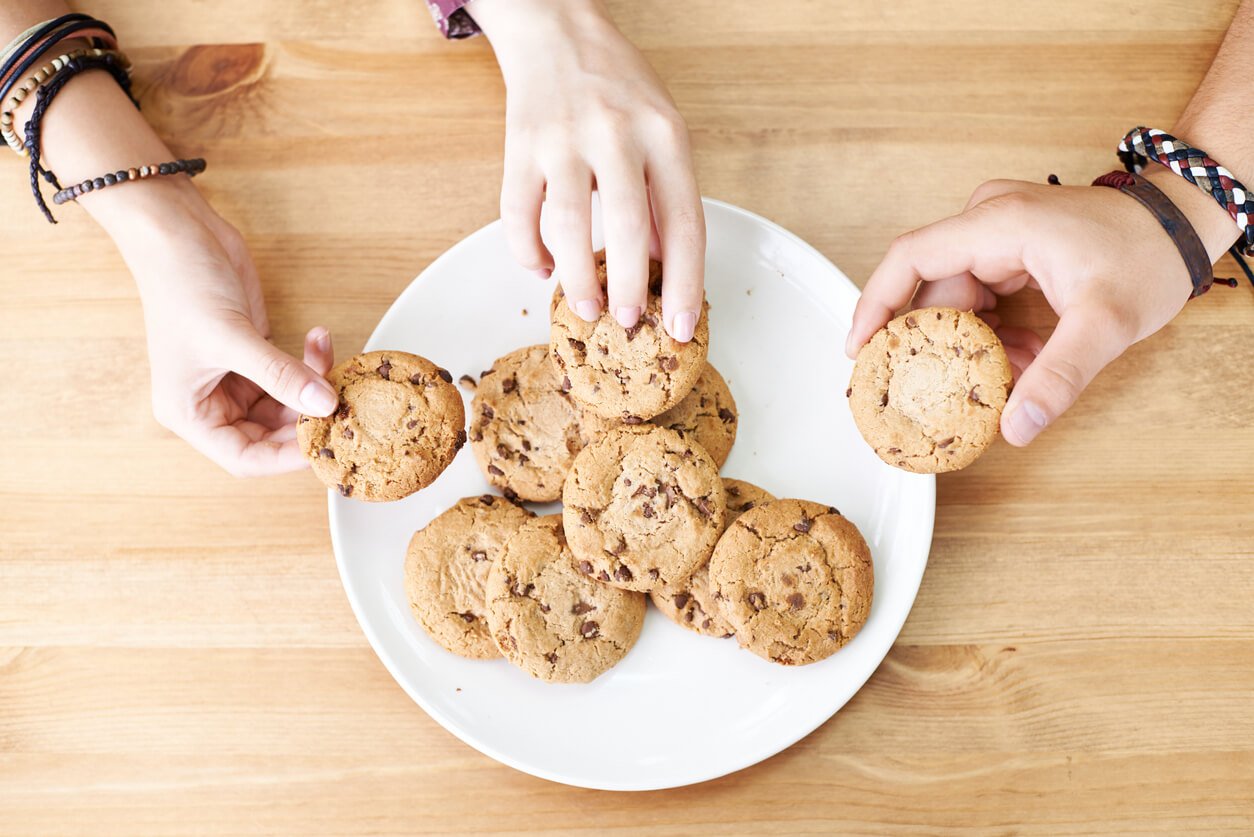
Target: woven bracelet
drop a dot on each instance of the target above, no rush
(190, 167)
(1196, 166)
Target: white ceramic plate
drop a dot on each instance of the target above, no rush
(680, 708)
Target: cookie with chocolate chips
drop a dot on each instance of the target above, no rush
(628, 374)
(525, 430)
(549, 619)
(691, 603)
(642, 507)
(399, 423)
(706, 414)
(928, 389)
(794, 579)
(446, 568)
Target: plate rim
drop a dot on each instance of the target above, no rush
(928, 483)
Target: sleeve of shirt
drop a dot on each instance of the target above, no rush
(452, 19)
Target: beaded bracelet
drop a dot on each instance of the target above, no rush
(20, 47)
(43, 74)
(98, 31)
(44, 98)
(190, 167)
(1196, 166)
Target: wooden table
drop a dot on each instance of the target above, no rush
(177, 655)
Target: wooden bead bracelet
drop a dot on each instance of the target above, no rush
(190, 167)
(33, 83)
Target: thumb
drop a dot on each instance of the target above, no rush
(282, 376)
(1085, 341)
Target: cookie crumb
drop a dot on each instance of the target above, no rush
(524, 312)
(468, 382)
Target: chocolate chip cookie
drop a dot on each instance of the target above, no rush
(928, 389)
(399, 424)
(628, 374)
(550, 620)
(642, 508)
(707, 414)
(525, 429)
(691, 603)
(794, 580)
(447, 565)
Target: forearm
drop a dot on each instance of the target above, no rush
(1219, 119)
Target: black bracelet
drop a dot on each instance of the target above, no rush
(44, 98)
(62, 33)
(35, 37)
(191, 168)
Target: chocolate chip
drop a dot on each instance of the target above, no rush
(884, 400)
(581, 608)
(445, 375)
(551, 657)
(327, 453)
(577, 345)
(833, 636)
(623, 574)
(485, 373)
(585, 568)
(479, 555)
(633, 331)
(544, 608)
(834, 510)
(681, 600)
(653, 574)
(804, 525)
(628, 419)
(467, 381)
(647, 510)
(748, 504)
(912, 322)
(669, 491)
(849, 392)
(589, 629)
(620, 549)
(467, 617)
(796, 601)
(726, 415)
(487, 499)
(945, 443)
(668, 363)
(460, 441)
(348, 432)
(938, 315)
(509, 384)
(627, 481)
(651, 320)
(526, 444)
(706, 624)
(346, 490)
(510, 494)
(495, 471)
(703, 506)
(894, 450)
(477, 435)
(585, 516)
(411, 424)
(603, 575)
(974, 395)
(503, 451)
(488, 412)
(385, 368)
(757, 601)
(688, 616)
(605, 350)
(566, 384)
(520, 590)
(416, 379)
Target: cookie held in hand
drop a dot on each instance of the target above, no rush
(928, 389)
(630, 374)
(399, 423)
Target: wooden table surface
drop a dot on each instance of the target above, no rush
(177, 655)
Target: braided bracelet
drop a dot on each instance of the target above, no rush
(33, 83)
(44, 98)
(190, 167)
(1196, 166)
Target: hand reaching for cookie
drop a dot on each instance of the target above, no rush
(1104, 264)
(585, 111)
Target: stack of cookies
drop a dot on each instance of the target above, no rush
(628, 429)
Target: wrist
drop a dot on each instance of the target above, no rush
(1213, 224)
(520, 29)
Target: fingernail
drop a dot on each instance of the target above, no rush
(849, 344)
(543, 273)
(322, 338)
(683, 326)
(1027, 421)
(318, 399)
(588, 309)
(627, 315)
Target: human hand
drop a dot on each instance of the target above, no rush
(216, 380)
(584, 110)
(1104, 264)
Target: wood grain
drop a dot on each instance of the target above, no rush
(176, 653)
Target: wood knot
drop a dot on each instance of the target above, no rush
(216, 69)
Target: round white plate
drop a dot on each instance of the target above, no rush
(680, 708)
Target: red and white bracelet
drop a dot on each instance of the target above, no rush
(1141, 145)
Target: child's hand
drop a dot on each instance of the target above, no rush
(1105, 265)
(216, 381)
(584, 111)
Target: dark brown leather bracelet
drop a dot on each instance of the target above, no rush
(1196, 259)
